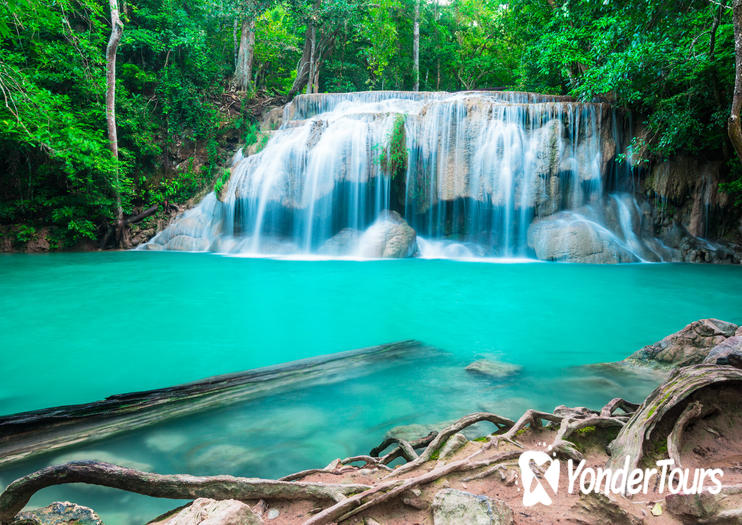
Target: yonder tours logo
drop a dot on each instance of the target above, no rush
(540, 474)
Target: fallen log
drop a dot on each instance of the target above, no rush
(173, 486)
(29, 433)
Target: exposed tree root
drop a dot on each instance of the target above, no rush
(674, 439)
(442, 437)
(618, 403)
(399, 450)
(178, 486)
(396, 487)
(674, 392)
(532, 419)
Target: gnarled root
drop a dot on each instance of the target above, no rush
(440, 439)
(403, 449)
(396, 487)
(674, 439)
(176, 486)
(618, 403)
(674, 392)
(532, 419)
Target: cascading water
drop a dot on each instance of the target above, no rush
(498, 174)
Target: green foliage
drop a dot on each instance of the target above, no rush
(221, 181)
(671, 62)
(393, 157)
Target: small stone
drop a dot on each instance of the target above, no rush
(371, 521)
(272, 514)
(657, 509)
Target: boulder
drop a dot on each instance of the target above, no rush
(493, 369)
(599, 508)
(58, 513)
(571, 237)
(414, 431)
(222, 457)
(725, 507)
(453, 445)
(453, 507)
(206, 511)
(689, 346)
(342, 243)
(389, 237)
(728, 352)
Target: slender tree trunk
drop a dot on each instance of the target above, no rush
(117, 28)
(416, 46)
(312, 58)
(243, 71)
(235, 46)
(734, 126)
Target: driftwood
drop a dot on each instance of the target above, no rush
(30, 433)
(674, 392)
(176, 486)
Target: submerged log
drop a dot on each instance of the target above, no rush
(29, 433)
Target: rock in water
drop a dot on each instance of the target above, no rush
(454, 507)
(59, 513)
(689, 346)
(490, 368)
(389, 237)
(570, 237)
(343, 242)
(206, 511)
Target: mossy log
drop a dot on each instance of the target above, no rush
(636, 435)
(29, 433)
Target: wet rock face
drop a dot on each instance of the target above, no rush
(205, 511)
(59, 513)
(453, 507)
(570, 238)
(689, 346)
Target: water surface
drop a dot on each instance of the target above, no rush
(78, 327)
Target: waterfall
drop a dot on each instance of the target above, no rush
(487, 174)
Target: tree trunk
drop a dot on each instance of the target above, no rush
(243, 71)
(117, 28)
(312, 57)
(302, 68)
(416, 46)
(734, 127)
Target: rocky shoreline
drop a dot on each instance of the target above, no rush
(693, 418)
